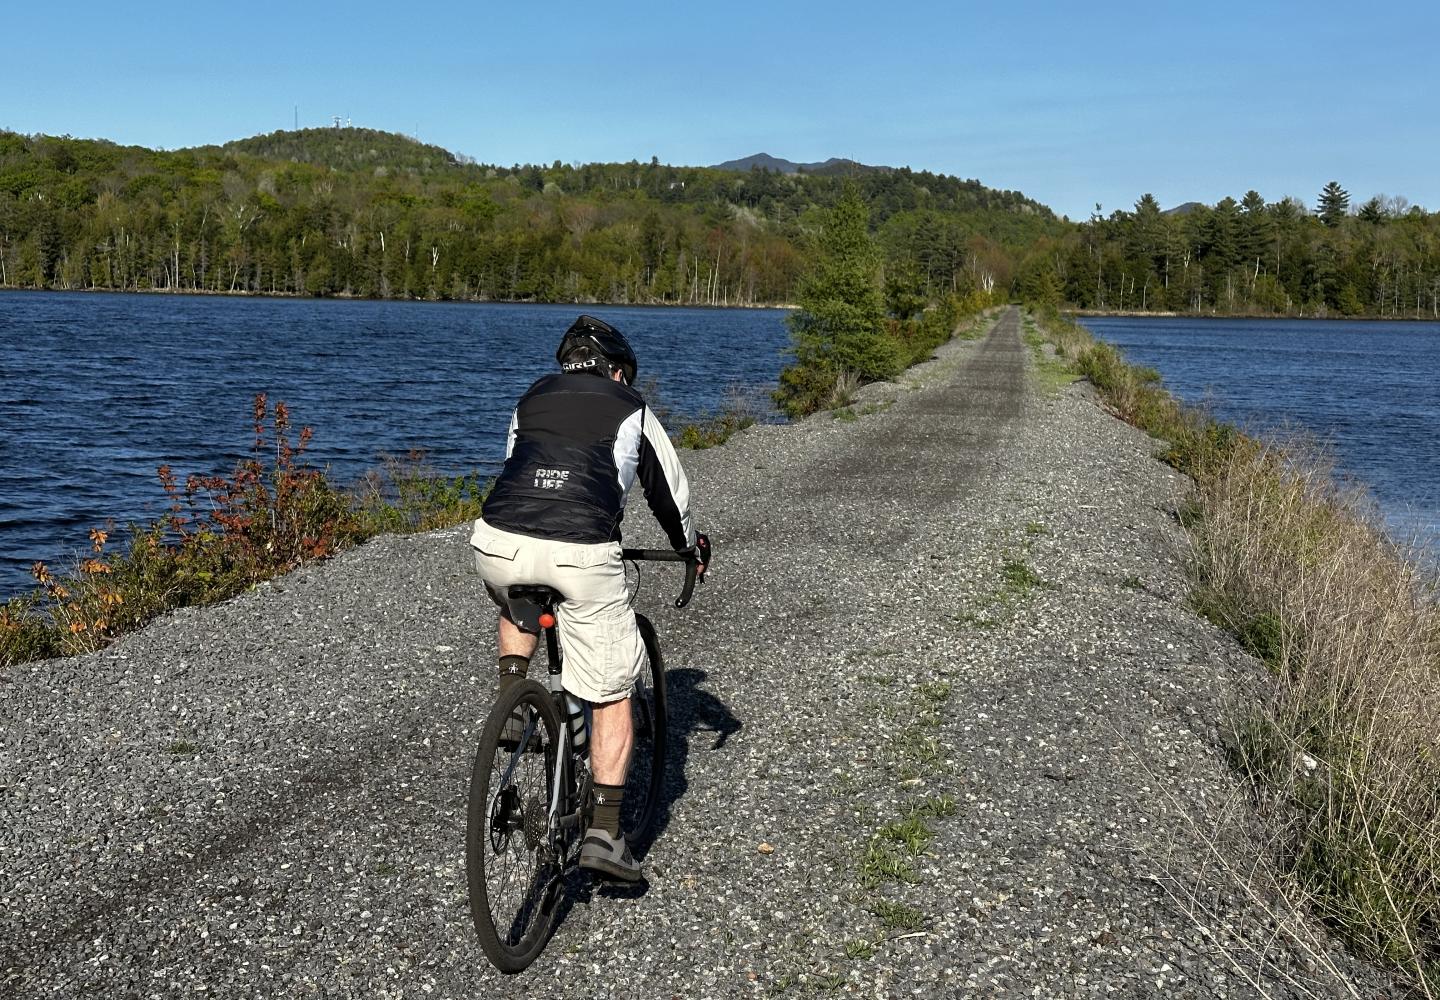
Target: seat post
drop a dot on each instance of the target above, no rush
(552, 649)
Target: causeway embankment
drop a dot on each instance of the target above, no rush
(945, 669)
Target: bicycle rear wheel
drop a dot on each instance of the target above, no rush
(645, 784)
(510, 861)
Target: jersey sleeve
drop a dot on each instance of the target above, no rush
(510, 437)
(667, 491)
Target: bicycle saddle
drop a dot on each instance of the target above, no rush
(526, 602)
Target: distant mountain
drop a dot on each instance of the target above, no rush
(835, 166)
(1184, 209)
(348, 149)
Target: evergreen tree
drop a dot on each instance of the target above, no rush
(1334, 202)
(1147, 243)
(1373, 211)
(1255, 228)
(840, 326)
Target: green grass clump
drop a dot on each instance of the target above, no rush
(713, 431)
(859, 948)
(405, 495)
(1054, 373)
(883, 861)
(1019, 578)
(939, 806)
(895, 916)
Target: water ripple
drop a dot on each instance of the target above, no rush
(101, 389)
(1366, 389)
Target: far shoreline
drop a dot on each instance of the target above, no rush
(203, 293)
(1328, 318)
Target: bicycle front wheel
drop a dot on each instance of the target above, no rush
(645, 784)
(510, 859)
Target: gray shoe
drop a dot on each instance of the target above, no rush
(608, 855)
(514, 730)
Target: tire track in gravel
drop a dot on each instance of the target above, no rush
(935, 445)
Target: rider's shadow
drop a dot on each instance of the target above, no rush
(697, 720)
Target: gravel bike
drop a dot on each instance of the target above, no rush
(530, 796)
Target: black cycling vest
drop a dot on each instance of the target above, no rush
(578, 442)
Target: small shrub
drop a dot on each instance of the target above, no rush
(219, 535)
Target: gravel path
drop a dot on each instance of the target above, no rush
(944, 669)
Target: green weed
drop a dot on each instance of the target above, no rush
(895, 916)
(940, 806)
(1019, 579)
(884, 862)
(976, 621)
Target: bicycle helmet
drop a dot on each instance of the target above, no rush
(590, 341)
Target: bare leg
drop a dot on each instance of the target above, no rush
(513, 642)
(611, 737)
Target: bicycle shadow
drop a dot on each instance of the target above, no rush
(691, 710)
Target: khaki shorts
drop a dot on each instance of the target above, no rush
(598, 636)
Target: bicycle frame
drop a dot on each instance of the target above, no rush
(562, 821)
(550, 838)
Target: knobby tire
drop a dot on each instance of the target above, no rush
(512, 880)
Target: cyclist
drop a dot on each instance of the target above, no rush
(577, 444)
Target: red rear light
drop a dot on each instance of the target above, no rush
(547, 620)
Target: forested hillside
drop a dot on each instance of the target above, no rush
(366, 213)
(1250, 256)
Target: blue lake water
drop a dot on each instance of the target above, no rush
(1370, 390)
(96, 391)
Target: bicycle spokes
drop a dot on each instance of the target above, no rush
(505, 818)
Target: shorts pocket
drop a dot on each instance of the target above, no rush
(586, 556)
(484, 540)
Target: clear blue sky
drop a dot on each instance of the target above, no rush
(1071, 103)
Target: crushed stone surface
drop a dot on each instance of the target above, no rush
(944, 669)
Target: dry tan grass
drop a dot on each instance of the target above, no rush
(1348, 743)
(847, 384)
(1344, 747)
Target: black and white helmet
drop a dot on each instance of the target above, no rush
(590, 343)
